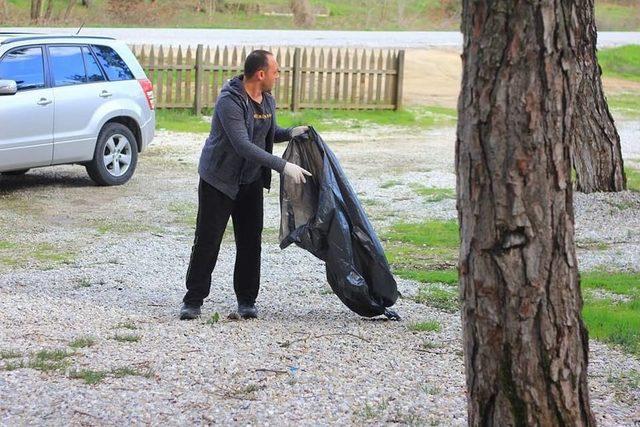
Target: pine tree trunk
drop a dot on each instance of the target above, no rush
(596, 154)
(525, 344)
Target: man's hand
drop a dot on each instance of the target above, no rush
(298, 130)
(296, 173)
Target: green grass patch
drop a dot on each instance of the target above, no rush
(88, 376)
(613, 16)
(215, 318)
(616, 283)
(50, 360)
(185, 213)
(126, 337)
(426, 253)
(625, 383)
(82, 342)
(622, 62)
(94, 377)
(614, 322)
(443, 299)
(633, 179)
(116, 226)
(12, 366)
(42, 255)
(181, 121)
(83, 282)
(127, 371)
(431, 195)
(126, 325)
(439, 234)
(627, 105)
(10, 354)
(342, 120)
(427, 326)
(323, 120)
(449, 277)
(4, 245)
(390, 183)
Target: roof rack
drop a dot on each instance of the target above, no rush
(19, 39)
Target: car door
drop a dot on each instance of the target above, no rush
(83, 94)
(26, 117)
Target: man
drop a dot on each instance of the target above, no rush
(235, 165)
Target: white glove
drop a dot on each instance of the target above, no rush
(296, 173)
(298, 130)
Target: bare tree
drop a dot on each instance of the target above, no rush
(401, 8)
(4, 11)
(525, 344)
(302, 13)
(596, 154)
(67, 12)
(47, 15)
(36, 11)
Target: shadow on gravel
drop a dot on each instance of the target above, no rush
(45, 178)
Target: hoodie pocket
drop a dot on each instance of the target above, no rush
(227, 167)
(220, 160)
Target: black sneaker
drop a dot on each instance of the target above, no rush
(189, 312)
(247, 311)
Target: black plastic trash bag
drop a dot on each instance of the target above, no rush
(325, 217)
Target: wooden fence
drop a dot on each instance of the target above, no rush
(309, 77)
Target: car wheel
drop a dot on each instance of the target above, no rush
(115, 157)
(16, 173)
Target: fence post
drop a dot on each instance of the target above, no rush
(399, 79)
(295, 85)
(198, 89)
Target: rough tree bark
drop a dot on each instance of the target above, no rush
(525, 344)
(596, 153)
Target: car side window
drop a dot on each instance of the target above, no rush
(24, 65)
(67, 65)
(94, 74)
(112, 63)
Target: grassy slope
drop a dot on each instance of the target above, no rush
(350, 15)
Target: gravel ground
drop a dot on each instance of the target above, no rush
(115, 273)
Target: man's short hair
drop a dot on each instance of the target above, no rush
(256, 61)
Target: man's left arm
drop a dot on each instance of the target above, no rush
(281, 134)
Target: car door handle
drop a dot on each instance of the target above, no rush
(44, 101)
(105, 94)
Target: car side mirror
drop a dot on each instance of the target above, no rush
(8, 87)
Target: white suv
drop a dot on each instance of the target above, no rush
(73, 99)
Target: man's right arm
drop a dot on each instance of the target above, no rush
(233, 123)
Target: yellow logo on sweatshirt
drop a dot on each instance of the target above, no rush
(262, 116)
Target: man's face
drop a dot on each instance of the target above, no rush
(269, 76)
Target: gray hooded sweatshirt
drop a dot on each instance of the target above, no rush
(230, 150)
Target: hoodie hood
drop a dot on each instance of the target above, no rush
(235, 87)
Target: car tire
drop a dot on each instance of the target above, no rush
(115, 157)
(16, 173)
